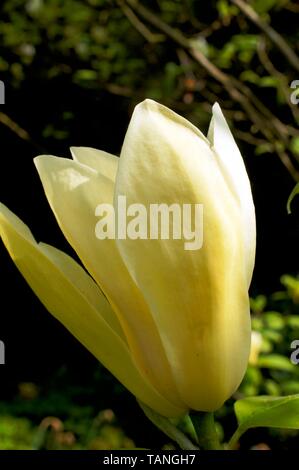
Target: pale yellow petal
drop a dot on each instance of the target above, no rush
(103, 162)
(72, 297)
(198, 298)
(84, 284)
(74, 191)
(232, 165)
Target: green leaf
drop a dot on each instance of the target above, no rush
(274, 320)
(295, 145)
(165, 425)
(265, 411)
(268, 81)
(272, 336)
(263, 6)
(291, 197)
(292, 285)
(85, 74)
(258, 303)
(290, 387)
(249, 76)
(293, 321)
(267, 147)
(272, 388)
(276, 361)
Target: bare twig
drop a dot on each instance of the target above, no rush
(292, 7)
(198, 55)
(282, 80)
(14, 127)
(237, 90)
(264, 120)
(249, 138)
(118, 90)
(287, 162)
(21, 133)
(275, 37)
(138, 25)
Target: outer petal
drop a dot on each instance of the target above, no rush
(103, 162)
(74, 191)
(72, 297)
(198, 298)
(233, 168)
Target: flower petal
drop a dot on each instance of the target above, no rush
(198, 298)
(74, 191)
(233, 168)
(73, 298)
(103, 162)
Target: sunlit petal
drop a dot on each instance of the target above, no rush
(103, 162)
(73, 298)
(74, 207)
(233, 168)
(198, 298)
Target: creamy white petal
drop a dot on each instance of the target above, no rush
(72, 297)
(233, 168)
(74, 191)
(103, 162)
(199, 299)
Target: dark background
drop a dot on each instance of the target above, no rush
(58, 109)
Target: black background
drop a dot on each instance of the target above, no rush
(36, 345)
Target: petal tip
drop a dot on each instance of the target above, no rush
(147, 105)
(40, 160)
(216, 108)
(74, 151)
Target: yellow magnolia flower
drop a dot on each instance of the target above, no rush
(172, 325)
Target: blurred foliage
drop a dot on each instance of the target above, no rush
(51, 419)
(58, 417)
(276, 320)
(186, 54)
(177, 52)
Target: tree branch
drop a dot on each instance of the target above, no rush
(276, 38)
(264, 120)
(138, 25)
(283, 82)
(21, 133)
